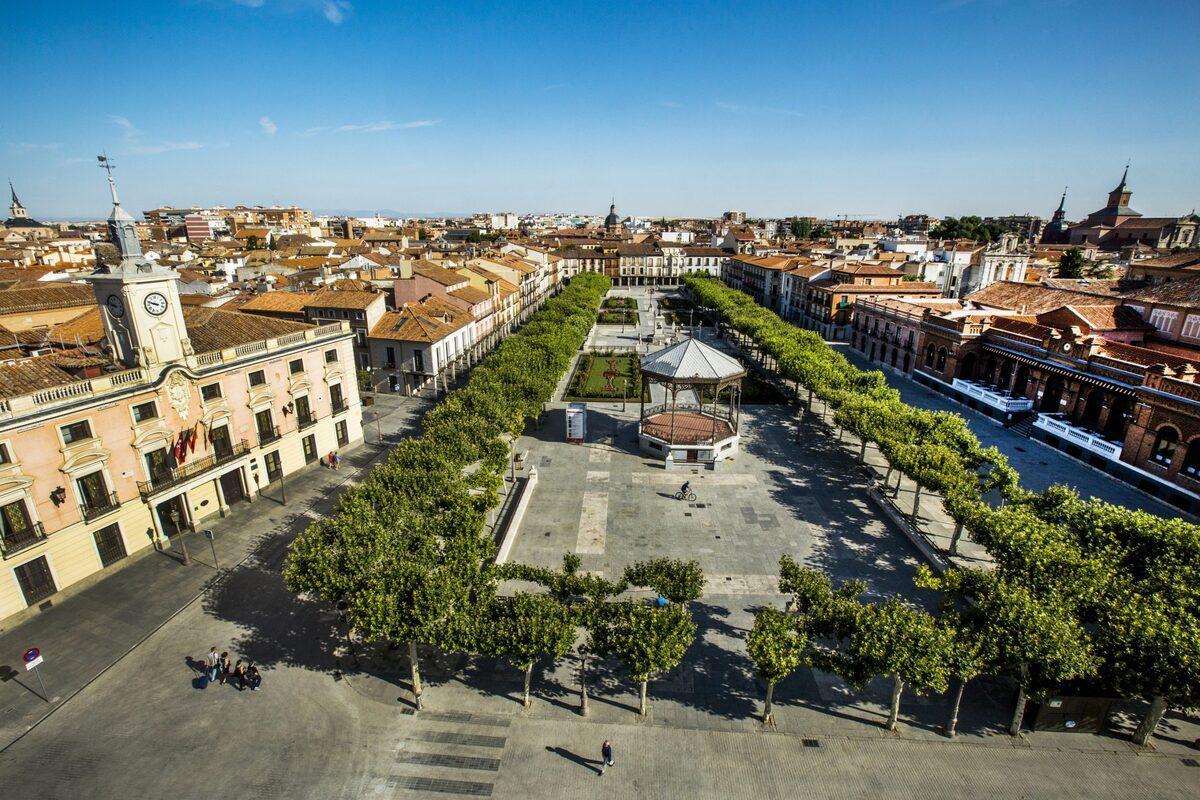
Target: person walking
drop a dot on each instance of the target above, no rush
(330, 459)
(337, 460)
(253, 678)
(606, 759)
(212, 663)
(223, 668)
(239, 675)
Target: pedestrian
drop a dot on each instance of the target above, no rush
(212, 662)
(330, 459)
(253, 678)
(239, 675)
(606, 759)
(337, 460)
(223, 668)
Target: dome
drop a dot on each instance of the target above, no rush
(692, 360)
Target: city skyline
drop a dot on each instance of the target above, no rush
(476, 108)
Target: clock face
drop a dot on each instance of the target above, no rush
(115, 306)
(156, 304)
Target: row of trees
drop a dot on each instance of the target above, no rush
(1088, 590)
(406, 556)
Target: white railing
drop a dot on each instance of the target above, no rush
(1081, 436)
(1004, 402)
(105, 384)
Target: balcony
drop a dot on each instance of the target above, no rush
(996, 398)
(1085, 438)
(191, 470)
(106, 506)
(16, 542)
(305, 422)
(339, 406)
(268, 435)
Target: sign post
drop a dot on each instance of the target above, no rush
(212, 541)
(32, 658)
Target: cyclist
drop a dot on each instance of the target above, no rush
(684, 490)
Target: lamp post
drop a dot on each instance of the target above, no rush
(187, 559)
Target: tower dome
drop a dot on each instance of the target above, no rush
(612, 221)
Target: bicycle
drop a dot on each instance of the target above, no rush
(691, 496)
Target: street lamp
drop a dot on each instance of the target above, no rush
(187, 560)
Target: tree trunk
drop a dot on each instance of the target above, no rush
(888, 477)
(952, 724)
(583, 693)
(528, 678)
(862, 451)
(1145, 729)
(958, 529)
(768, 717)
(1014, 729)
(416, 673)
(916, 502)
(894, 714)
(644, 708)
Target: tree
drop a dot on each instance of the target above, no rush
(969, 227)
(968, 657)
(1071, 264)
(526, 627)
(649, 641)
(801, 228)
(892, 638)
(678, 581)
(777, 645)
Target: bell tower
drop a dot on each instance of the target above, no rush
(139, 299)
(15, 209)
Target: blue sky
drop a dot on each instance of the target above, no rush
(858, 108)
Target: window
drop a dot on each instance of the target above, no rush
(1165, 445)
(390, 363)
(1163, 320)
(265, 425)
(93, 492)
(296, 366)
(110, 545)
(144, 411)
(210, 392)
(336, 399)
(310, 449)
(4, 457)
(157, 465)
(274, 467)
(342, 436)
(257, 378)
(304, 416)
(941, 359)
(36, 581)
(1191, 326)
(76, 432)
(360, 338)
(330, 356)
(15, 523)
(222, 447)
(1191, 462)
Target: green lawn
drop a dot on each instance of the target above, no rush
(589, 382)
(613, 316)
(619, 302)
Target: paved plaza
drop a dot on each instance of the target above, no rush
(333, 724)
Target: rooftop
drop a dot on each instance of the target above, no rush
(692, 359)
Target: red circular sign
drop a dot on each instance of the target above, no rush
(31, 654)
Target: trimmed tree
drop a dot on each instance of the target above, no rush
(526, 627)
(777, 645)
(649, 641)
(678, 581)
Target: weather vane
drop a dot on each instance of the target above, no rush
(106, 164)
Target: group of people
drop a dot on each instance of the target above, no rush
(243, 675)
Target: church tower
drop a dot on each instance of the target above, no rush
(1118, 198)
(1055, 231)
(139, 299)
(15, 209)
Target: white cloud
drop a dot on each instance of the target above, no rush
(136, 144)
(335, 10)
(372, 127)
(268, 125)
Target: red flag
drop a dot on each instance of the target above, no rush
(179, 449)
(192, 437)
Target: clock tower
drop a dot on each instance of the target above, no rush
(139, 299)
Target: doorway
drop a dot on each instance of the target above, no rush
(231, 487)
(170, 511)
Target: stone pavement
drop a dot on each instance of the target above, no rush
(87, 631)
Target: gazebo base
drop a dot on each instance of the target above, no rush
(692, 437)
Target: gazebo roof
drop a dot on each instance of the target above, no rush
(692, 360)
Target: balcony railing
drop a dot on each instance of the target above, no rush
(993, 397)
(267, 435)
(191, 470)
(303, 422)
(339, 406)
(16, 542)
(1090, 440)
(105, 506)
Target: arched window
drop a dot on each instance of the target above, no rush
(941, 359)
(929, 354)
(1191, 462)
(1165, 445)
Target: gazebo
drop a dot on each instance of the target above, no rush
(683, 415)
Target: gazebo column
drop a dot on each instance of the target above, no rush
(716, 394)
(673, 393)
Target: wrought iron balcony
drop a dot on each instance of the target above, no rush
(307, 421)
(15, 542)
(105, 506)
(193, 469)
(339, 406)
(268, 435)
